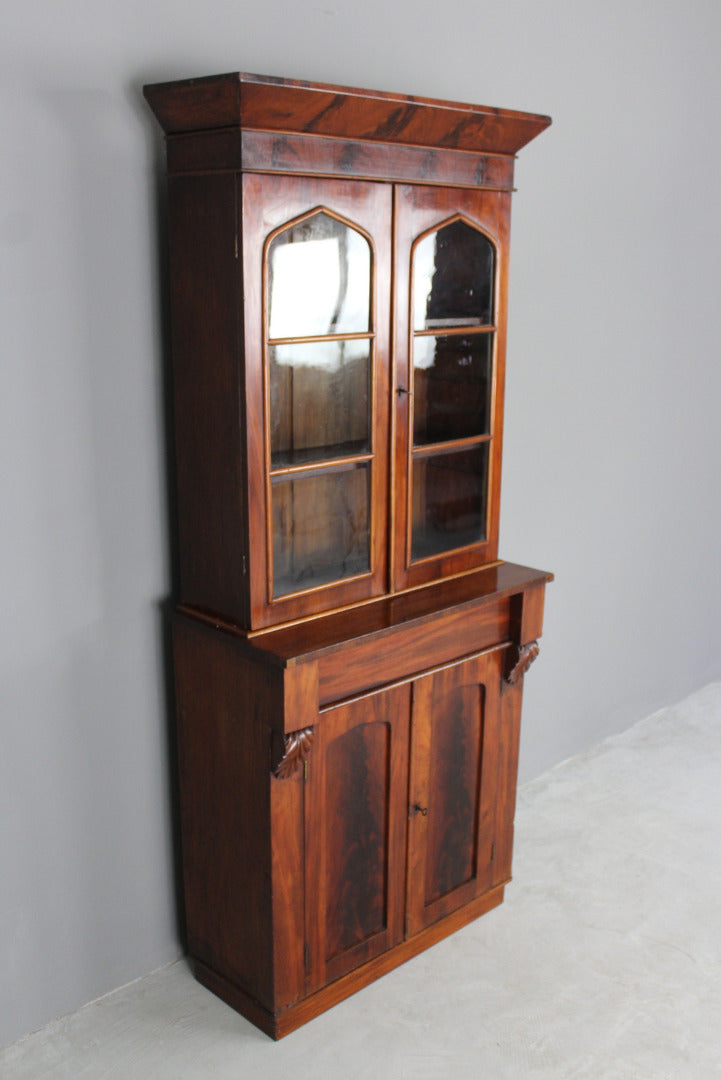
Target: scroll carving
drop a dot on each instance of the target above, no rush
(296, 749)
(526, 655)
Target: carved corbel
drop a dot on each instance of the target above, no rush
(296, 748)
(526, 654)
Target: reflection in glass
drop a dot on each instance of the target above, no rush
(451, 387)
(453, 278)
(449, 501)
(320, 527)
(319, 280)
(319, 401)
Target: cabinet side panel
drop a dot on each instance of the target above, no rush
(205, 317)
(224, 763)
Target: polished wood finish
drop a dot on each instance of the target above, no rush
(453, 779)
(296, 751)
(356, 833)
(207, 379)
(224, 750)
(525, 655)
(318, 155)
(302, 668)
(222, 222)
(264, 103)
(270, 203)
(419, 210)
(283, 1022)
(348, 716)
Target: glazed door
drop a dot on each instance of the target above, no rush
(316, 270)
(355, 821)
(453, 787)
(450, 270)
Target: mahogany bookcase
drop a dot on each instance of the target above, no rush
(349, 649)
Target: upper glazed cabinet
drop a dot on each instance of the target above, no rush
(339, 265)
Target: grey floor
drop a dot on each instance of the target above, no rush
(603, 962)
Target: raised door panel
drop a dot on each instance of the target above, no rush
(356, 833)
(450, 273)
(453, 788)
(316, 272)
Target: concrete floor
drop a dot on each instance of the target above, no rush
(603, 962)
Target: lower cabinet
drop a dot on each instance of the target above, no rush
(316, 859)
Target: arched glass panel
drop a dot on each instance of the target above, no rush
(319, 280)
(453, 271)
(319, 408)
(452, 361)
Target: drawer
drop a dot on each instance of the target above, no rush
(406, 650)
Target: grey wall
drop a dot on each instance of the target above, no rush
(613, 404)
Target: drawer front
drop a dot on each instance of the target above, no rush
(361, 665)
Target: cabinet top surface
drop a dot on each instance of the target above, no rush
(264, 103)
(384, 615)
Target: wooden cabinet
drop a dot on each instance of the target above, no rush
(349, 650)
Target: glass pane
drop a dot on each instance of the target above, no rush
(319, 280)
(449, 501)
(319, 401)
(451, 387)
(320, 527)
(453, 278)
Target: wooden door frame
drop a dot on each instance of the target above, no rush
(268, 203)
(483, 669)
(390, 705)
(419, 210)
